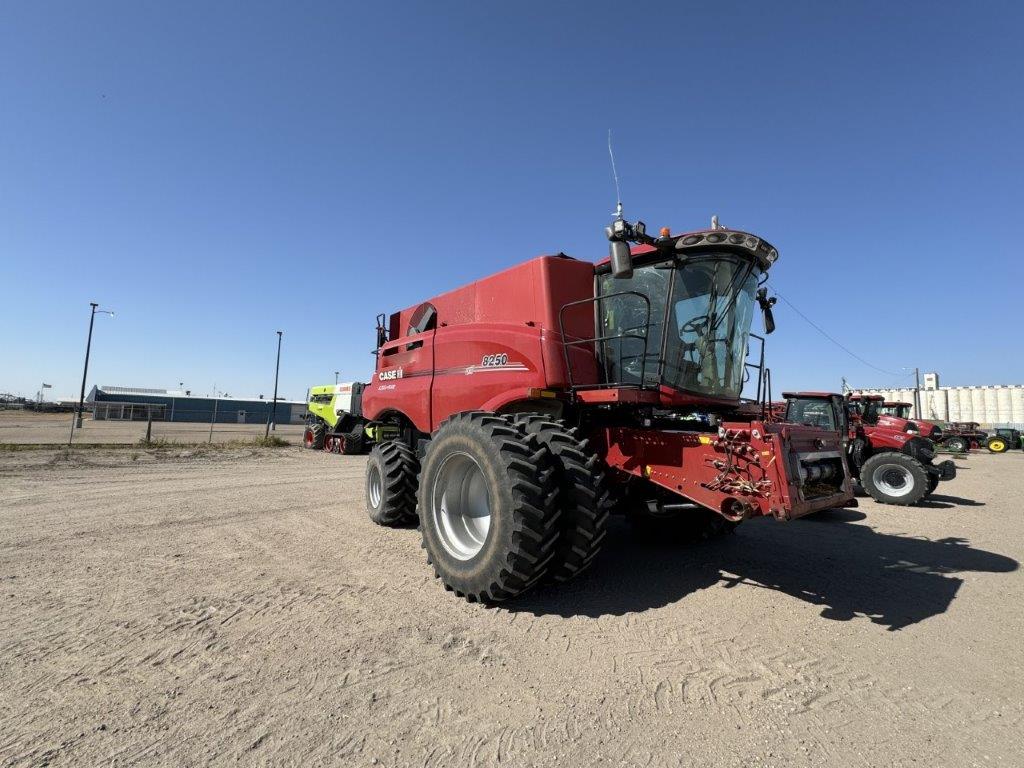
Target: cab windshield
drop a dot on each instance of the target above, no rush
(812, 412)
(692, 336)
(868, 410)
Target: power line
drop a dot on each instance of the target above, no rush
(824, 333)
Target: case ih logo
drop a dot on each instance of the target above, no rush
(394, 373)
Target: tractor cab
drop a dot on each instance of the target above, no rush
(826, 410)
(899, 410)
(865, 409)
(674, 314)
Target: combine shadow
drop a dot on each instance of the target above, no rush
(828, 559)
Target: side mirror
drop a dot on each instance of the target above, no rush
(382, 332)
(766, 309)
(622, 260)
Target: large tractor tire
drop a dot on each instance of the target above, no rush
(894, 478)
(353, 443)
(933, 483)
(997, 444)
(391, 472)
(313, 437)
(583, 495)
(488, 507)
(957, 444)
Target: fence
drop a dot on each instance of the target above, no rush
(137, 425)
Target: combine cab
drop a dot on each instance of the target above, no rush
(516, 412)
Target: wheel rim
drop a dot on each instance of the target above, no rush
(460, 506)
(374, 485)
(893, 479)
(997, 445)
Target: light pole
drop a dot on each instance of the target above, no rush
(336, 376)
(277, 370)
(77, 421)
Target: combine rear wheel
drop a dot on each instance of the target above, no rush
(313, 437)
(894, 478)
(487, 507)
(391, 484)
(997, 445)
(583, 497)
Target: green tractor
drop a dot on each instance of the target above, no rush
(1004, 440)
(333, 423)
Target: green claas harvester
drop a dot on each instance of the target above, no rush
(331, 423)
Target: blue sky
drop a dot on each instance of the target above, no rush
(215, 172)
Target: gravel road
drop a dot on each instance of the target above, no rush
(239, 607)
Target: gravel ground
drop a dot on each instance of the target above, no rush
(238, 606)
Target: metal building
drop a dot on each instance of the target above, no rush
(994, 405)
(137, 403)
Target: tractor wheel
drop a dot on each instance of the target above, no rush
(957, 444)
(583, 497)
(313, 437)
(894, 478)
(488, 507)
(997, 445)
(391, 474)
(933, 483)
(353, 443)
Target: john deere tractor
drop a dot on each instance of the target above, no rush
(332, 420)
(1004, 439)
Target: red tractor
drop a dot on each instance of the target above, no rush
(893, 456)
(513, 414)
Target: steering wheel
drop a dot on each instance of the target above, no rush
(696, 324)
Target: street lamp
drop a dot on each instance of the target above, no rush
(77, 421)
(336, 376)
(277, 370)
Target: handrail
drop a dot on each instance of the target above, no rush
(599, 339)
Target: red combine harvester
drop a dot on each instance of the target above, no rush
(509, 411)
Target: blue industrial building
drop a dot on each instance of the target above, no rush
(138, 404)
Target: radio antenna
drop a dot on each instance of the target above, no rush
(615, 175)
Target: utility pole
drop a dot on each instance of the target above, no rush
(336, 376)
(277, 370)
(917, 393)
(77, 421)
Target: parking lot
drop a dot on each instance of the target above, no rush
(178, 606)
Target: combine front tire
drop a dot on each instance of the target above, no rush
(391, 484)
(894, 478)
(487, 507)
(313, 437)
(583, 497)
